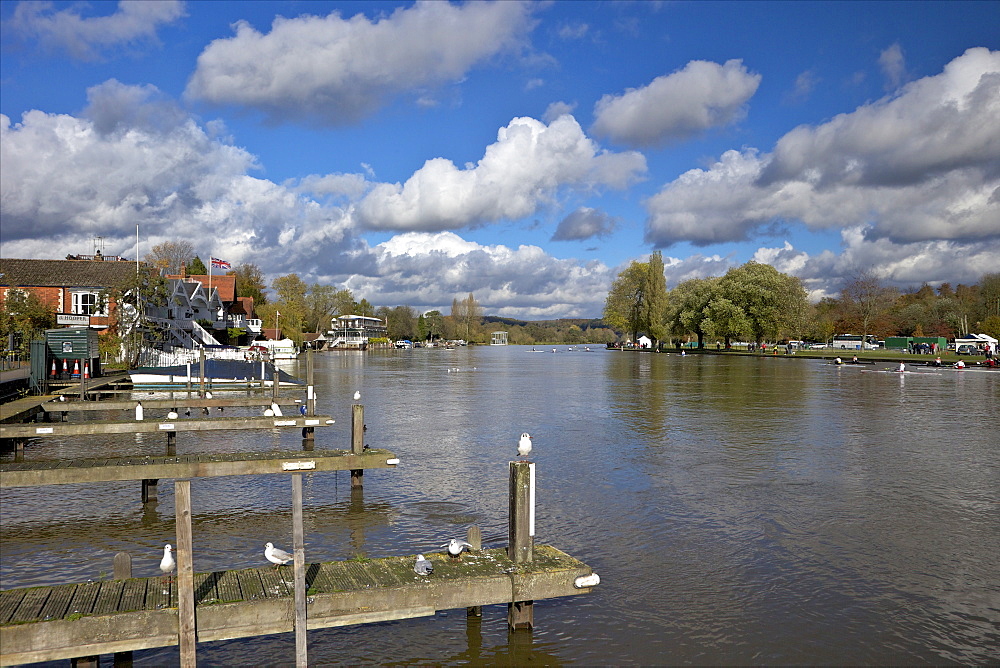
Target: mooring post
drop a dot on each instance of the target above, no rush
(149, 489)
(201, 373)
(185, 573)
(357, 442)
(521, 535)
(299, 574)
(309, 433)
(475, 538)
(171, 443)
(123, 571)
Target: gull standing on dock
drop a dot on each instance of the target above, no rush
(524, 445)
(276, 556)
(167, 563)
(423, 566)
(455, 548)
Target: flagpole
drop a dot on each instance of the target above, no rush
(211, 261)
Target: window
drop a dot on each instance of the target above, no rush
(87, 303)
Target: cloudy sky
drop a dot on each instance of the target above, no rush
(417, 152)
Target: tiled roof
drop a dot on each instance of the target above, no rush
(226, 285)
(64, 273)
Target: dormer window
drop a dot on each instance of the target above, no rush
(87, 303)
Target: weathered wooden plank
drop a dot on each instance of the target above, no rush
(204, 588)
(340, 577)
(228, 587)
(158, 593)
(58, 602)
(250, 584)
(31, 605)
(109, 597)
(189, 466)
(83, 599)
(275, 585)
(9, 600)
(158, 426)
(134, 594)
(384, 574)
(360, 573)
(167, 404)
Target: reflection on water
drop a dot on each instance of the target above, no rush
(738, 510)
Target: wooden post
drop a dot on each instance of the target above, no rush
(149, 489)
(274, 383)
(357, 442)
(309, 433)
(185, 573)
(299, 565)
(521, 535)
(475, 538)
(201, 373)
(123, 571)
(171, 443)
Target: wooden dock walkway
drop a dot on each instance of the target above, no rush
(38, 430)
(73, 620)
(105, 469)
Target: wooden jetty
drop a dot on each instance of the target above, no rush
(67, 621)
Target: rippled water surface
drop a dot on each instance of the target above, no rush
(738, 510)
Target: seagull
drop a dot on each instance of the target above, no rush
(302, 409)
(456, 547)
(524, 445)
(268, 412)
(357, 395)
(167, 563)
(188, 412)
(423, 566)
(276, 556)
(172, 415)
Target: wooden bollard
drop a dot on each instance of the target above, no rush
(185, 573)
(299, 573)
(357, 442)
(475, 538)
(309, 433)
(171, 443)
(123, 571)
(521, 536)
(201, 374)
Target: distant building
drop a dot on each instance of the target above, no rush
(354, 331)
(498, 338)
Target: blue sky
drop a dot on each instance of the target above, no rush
(525, 153)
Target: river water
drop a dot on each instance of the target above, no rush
(738, 509)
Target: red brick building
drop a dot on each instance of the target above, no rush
(72, 288)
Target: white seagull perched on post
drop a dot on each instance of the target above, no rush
(524, 445)
(167, 563)
(455, 548)
(423, 566)
(276, 556)
(357, 395)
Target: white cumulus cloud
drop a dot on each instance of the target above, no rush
(332, 70)
(522, 171)
(676, 106)
(87, 38)
(923, 165)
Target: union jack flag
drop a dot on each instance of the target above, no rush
(220, 264)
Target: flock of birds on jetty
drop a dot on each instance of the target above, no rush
(454, 547)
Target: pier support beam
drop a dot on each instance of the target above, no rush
(474, 536)
(149, 490)
(299, 574)
(185, 573)
(171, 443)
(123, 571)
(521, 536)
(357, 442)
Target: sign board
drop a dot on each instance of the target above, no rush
(72, 319)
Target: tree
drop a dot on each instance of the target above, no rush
(623, 308)
(24, 317)
(291, 303)
(433, 324)
(466, 314)
(400, 322)
(321, 305)
(196, 267)
(249, 282)
(689, 307)
(344, 303)
(868, 299)
(653, 312)
(170, 255)
(772, 303)
(128, 320)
